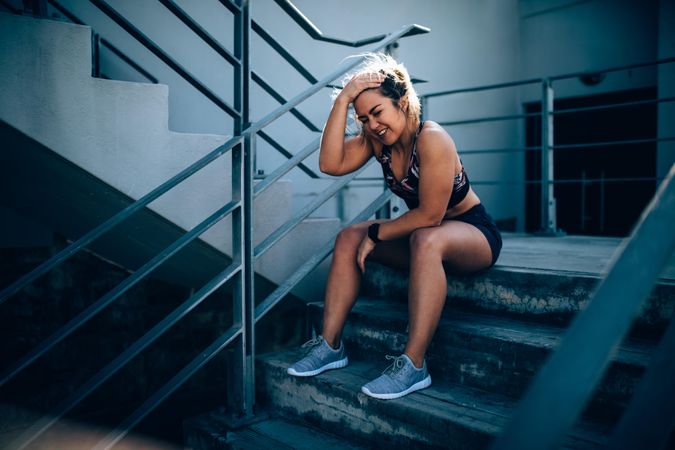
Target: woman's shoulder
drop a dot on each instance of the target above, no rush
(433, 138)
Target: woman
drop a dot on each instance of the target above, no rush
(446, 227)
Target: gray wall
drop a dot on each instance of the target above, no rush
(472, 43)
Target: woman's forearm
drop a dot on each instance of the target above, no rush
(407, 223)
(332, 150)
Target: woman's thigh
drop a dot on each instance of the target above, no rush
(463, 247)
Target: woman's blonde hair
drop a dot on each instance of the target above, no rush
(397, 84)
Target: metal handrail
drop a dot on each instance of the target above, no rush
(201, 32)
(286, 228)
(161, 54)
(280, 98)
(316, 34)
(286, 167)
(490, 119)
(265, 36)
(122, 359)
(97, 232)
(571, 373)
(219, 344)
(196, 166)
(281, 149)
(116, 292)
(246, 136)
(551, 78)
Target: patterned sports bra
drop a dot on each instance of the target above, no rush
(408, 187)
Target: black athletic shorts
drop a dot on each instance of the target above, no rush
(479, 218)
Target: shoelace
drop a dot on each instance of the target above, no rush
(398, 364)
(311, 343)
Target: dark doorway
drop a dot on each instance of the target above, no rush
(598, 206)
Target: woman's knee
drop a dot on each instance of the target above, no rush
(348, 239)
(425, 241)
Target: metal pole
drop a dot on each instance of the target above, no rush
(583, 200)
(548, 210)
(602, 201)
(96, 56)
(241, 394)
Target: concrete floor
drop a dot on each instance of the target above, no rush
(580, 254)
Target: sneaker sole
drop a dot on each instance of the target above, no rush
(415, 387)
(310, 373)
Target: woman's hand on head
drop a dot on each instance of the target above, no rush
(360, 83)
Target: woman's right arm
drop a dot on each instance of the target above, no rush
(337, 156)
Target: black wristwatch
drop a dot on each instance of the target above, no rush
(373, 231)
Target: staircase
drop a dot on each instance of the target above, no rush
(497, 330)
(71, 122)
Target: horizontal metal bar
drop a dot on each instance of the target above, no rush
(613, 105)
(278, 97)
(278, 294)
(73, 248)
(486, 87)
(315, 33)
(613, 69)
(490, 119)
(568, 181)
(282, 51)
(62, 9)
(229, 4)
(169, 388)
(120, 361)
(291, 223)
(116, 292)
(500, 150)
(563, 386)
(287, 154)
(201, 32)
(128, 60)
(316, 87)
(610, 143)
(150, 45)
(539, 80)
(286, 167)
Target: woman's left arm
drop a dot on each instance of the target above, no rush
(437, 158)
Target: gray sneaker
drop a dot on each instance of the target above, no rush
(319, 358)
(399, 379)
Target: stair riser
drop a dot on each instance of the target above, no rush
(551, 297)
(480, 362)
(325, 404)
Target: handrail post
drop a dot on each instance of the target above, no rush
(241, 394)
(548, 207)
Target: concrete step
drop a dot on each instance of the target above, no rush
(493, 353)
(544, 278)
(445, 415)
(209, 432)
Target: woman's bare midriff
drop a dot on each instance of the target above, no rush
(466, 204)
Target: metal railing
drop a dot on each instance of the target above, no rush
(561, 389)
(183, 72)
(548, 223)
(246, 314)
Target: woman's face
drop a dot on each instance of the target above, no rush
(379, 116)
